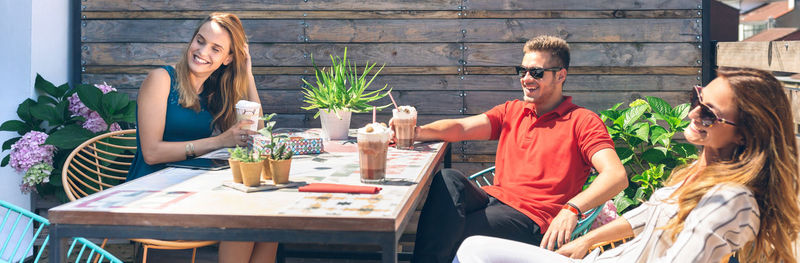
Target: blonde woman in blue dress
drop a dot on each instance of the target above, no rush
(740, 195)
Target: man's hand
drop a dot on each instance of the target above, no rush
(560, 230)
(576, 249)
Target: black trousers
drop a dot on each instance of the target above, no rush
(456, 209)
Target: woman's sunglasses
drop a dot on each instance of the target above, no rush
(536, 73)
(707, 117)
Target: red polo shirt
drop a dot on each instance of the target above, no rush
(543, 161)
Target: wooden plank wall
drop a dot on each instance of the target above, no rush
(449, 58)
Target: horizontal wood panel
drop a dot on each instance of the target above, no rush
(635, 70)
(259, 70)
(451, 82)
(621, 54)
(580, 4)
(581, 30)
(772, 56)
(235, 5)
(674, 13)
(135, 54)
(397, 14)
(502, 30)
(586, 54)
(435, 102)
(480, 101)
(470, 158)
(416, 30)
(180, 31)
(305, 14)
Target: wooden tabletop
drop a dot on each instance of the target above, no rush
(196, 198)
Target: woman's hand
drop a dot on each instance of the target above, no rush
(248, 60)
(236, 136)
(576, 249)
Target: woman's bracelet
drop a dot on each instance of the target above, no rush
(190, 150)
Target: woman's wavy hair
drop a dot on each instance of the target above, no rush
(226, 85)
(766, 164)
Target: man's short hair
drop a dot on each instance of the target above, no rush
(557, 47)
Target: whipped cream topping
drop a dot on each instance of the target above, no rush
(404, 112)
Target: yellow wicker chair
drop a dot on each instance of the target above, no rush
(614, 243)
(102, 162)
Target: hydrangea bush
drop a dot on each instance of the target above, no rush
(59, 119)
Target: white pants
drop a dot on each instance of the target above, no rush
(479, 249)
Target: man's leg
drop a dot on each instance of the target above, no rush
(441, 224)
(503, 221)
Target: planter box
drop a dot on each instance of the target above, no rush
(300, 141)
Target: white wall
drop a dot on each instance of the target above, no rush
(34, 39)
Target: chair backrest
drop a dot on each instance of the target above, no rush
(19, 222)
(93, 253)
(486, 177)
(99, 163)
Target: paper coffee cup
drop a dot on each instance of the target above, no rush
(248, 110)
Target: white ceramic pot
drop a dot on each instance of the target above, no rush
(334, 126)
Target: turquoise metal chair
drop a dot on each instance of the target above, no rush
(94, 253)
(486, 176)
(23, 222)
(21, 249)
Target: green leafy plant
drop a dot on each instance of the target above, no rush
(274, 139)
(245, 155)
(644, 137)
(282, 153)
(53, 112)
(340, 87)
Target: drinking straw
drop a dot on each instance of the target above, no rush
(393, 102)
(373, 114)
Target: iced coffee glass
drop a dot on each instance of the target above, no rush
(373, 143)
(248, 110)
(404, 121)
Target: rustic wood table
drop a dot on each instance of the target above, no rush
(184, 204)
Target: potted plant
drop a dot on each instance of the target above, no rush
(339, 91)
(269, 124)
(250, 165)
(280, 162)
(237, 154)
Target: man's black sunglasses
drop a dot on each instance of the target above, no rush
(536, 73)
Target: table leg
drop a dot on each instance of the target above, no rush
(55, 252)
(390, 253)
(448, 156)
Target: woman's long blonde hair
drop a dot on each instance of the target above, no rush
(766, 164)
(226, 85)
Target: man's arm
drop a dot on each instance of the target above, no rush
(476, 127)
(611, 179)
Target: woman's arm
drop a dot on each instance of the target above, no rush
(252, 90)
(153, 94)
(616, 229)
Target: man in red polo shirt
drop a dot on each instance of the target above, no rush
(546, 148)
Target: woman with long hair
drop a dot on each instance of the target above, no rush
(740, 195)
(189, 110)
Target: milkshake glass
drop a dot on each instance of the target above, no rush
(373, 143)
(404, 121)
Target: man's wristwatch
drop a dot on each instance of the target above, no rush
(574, 209)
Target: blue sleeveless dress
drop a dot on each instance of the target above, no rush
(182, 124)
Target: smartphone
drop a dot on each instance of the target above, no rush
(201, 164)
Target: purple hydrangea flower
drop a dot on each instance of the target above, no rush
(93, 122)
(31, 150)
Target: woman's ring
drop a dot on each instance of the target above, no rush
(244, 137)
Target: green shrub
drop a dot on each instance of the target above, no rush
(644, 137)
